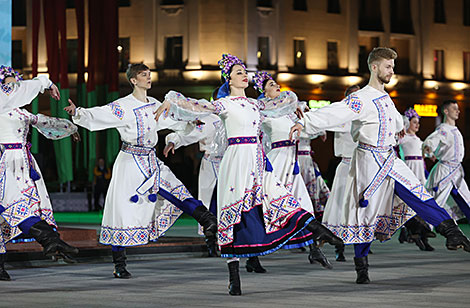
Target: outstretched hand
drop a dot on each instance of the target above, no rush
(163, 109)
(427, 153)
(401, 134)
(54, 92)
(71, 109)
(169, 147)
(296, 128)
(299, 113)
(76, 137)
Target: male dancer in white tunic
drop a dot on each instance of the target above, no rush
(132, 214)
(344, 147)
(447, 177)
(204, 133)
(376, 174)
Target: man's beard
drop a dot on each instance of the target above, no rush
(383, 79)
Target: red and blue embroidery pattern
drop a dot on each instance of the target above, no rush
(354, 103)
(117, 110)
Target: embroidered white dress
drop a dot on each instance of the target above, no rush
(21, 195)
(131, 215)
(344, 147)
(411, 145)
(447, 144)
(257, 214)
(21, 93)
(374, 166)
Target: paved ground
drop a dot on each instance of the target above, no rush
(402, 276)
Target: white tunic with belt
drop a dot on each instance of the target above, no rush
(23, 192)
(374, 166)
(411, 146)
(131, 216)
(446, 142)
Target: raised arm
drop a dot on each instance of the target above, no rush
(181, 108)
(21, 93)
(111, 115)
(334, 115)
(284, 104)
(432, 142)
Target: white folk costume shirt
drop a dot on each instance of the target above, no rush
(21, 93)
(243, 182)
(446, 142)
(21, 194)
(130, 215)
(374, 166)
(283, 157)
(411, 145)
(316, 186)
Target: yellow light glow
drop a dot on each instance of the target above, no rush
(431, 84)
(459, 97)
(426, 110)
(431, 95)
(119, 48)
(44, 74)
(193, 75)
(458, 86)
(316, 78)
(394, 93)
(352, 80)
(317, 91)
(283, 77)
(284, 88)
(298, 54)
(313, 103)
(258, 54)
(85, 76)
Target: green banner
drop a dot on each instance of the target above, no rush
(34, 132)
(62, 147)
(81, 157)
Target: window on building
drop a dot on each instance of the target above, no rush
(171, 2)
(17, 54)
(264, 3)
(466, 65)
(366, 44)
(263, 52)
(174, 52)
(466, 12)
(72, 54)
(299, 54)
(332, 52)
(439, 12)
(124, 3)
(70, 4)
(300, 5)
(333, 7)
(19, 13)
(400, 17)
(402, 47)
(124, 51)
(370, 16)
(439, 64)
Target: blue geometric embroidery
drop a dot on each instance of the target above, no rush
(7, 88)
(117, 110)
(354, 103)
(382, 120)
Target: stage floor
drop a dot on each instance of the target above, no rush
(402, 276)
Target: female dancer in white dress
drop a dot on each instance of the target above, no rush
(284, 160)
(257, 215)
(133, 213)
(24, 202)
(416, 229)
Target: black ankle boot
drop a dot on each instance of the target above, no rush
(316, 255)
(322, 234)
(235, 286)
(50, 240)
(427, 246)
(455, 238)
(207, 220)
(119, 260)
(403, 236)
(362, 270)
(211, 247)
(339, 251)
(253, 264)
(3, 273)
